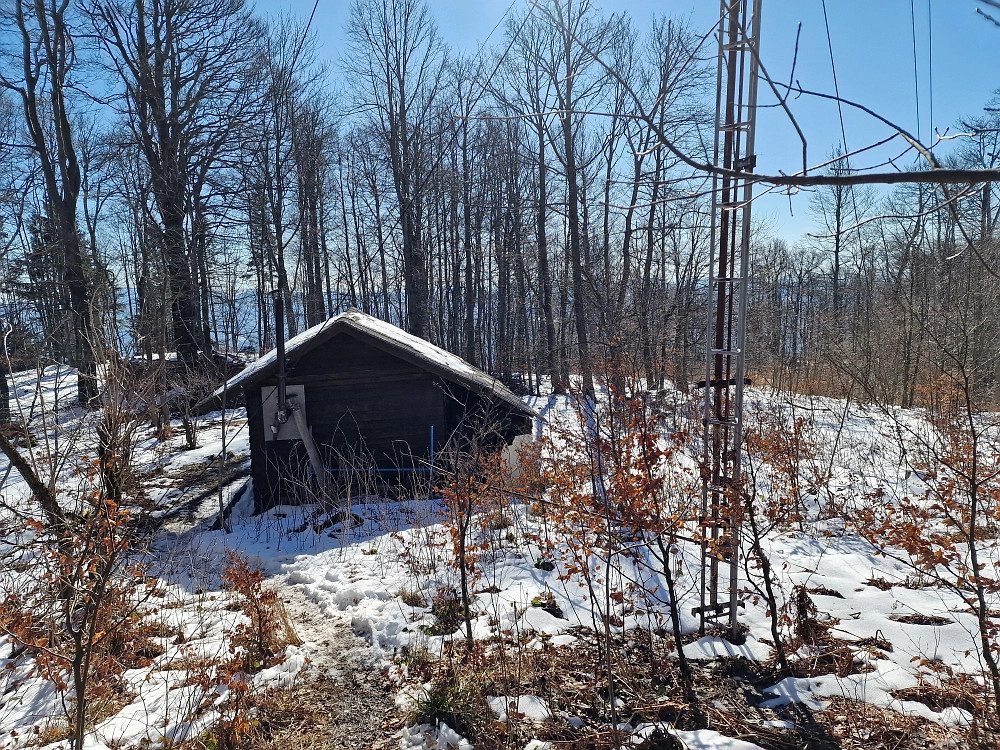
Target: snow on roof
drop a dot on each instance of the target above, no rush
(423, 353)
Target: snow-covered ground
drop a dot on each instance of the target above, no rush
(360, 577)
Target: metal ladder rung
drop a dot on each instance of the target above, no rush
(713, 611)
(716, 488)
(721, 383)
(727, 279)
(727, 352)
(734, 126)
(723, 422)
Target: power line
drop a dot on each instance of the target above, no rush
(843, 130)
(836, 85)
(930, 65)
(916, 77)
(305, 34)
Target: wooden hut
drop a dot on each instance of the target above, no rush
(366, 390)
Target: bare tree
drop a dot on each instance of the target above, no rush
(188, 71)
(278, 157)
(528, 92)
(396, 64)
(38, 69)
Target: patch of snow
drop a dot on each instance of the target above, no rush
(426, 737)
(792, 690)
(409, 696)
(529, 707)
(955, 717)
(699, 739)
(712, 647)
(355, 577)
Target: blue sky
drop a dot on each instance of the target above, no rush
(872, 44)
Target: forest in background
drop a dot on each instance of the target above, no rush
(169, 164)
(171, 168)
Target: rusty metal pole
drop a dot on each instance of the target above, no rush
(725, 361)
(279, 341)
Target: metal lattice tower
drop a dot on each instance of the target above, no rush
(725, 361)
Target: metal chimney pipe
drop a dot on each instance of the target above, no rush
(279, 337)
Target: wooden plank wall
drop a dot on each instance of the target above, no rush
(356, 395)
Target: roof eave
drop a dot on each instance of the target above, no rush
(345, 324)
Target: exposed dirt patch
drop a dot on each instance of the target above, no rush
(824, 591)
(951, 694)
(321, 713)
(880, 583)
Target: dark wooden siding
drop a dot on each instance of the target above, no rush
(358, 398)
(264, 486)
(355, 391)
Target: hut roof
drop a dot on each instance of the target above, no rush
(386, 337)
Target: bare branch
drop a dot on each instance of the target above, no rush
(968, 192)
(935, 175)
(988, 17)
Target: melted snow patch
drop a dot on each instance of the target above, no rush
(426, 737)
(530, 707)
(699, 739)
(711, 647)
(792, 690)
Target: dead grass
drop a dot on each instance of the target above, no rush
(880, 583)
(647, 683)
(951, 694)
(412, 598)
(191, 664)
(286, 635)
(913, 582)
(823, 591)
(55, 730)
(876, 642)
(99, 708)
(861, 726)
(313, 715)
(917, 618)
(832, 656)
(495, 520)
(108, 704)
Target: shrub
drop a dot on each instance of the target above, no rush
(258, 640)
(416, 658)
(448, 612)
(458, 703)
(412, 598)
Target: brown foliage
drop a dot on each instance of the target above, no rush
(258, 640)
